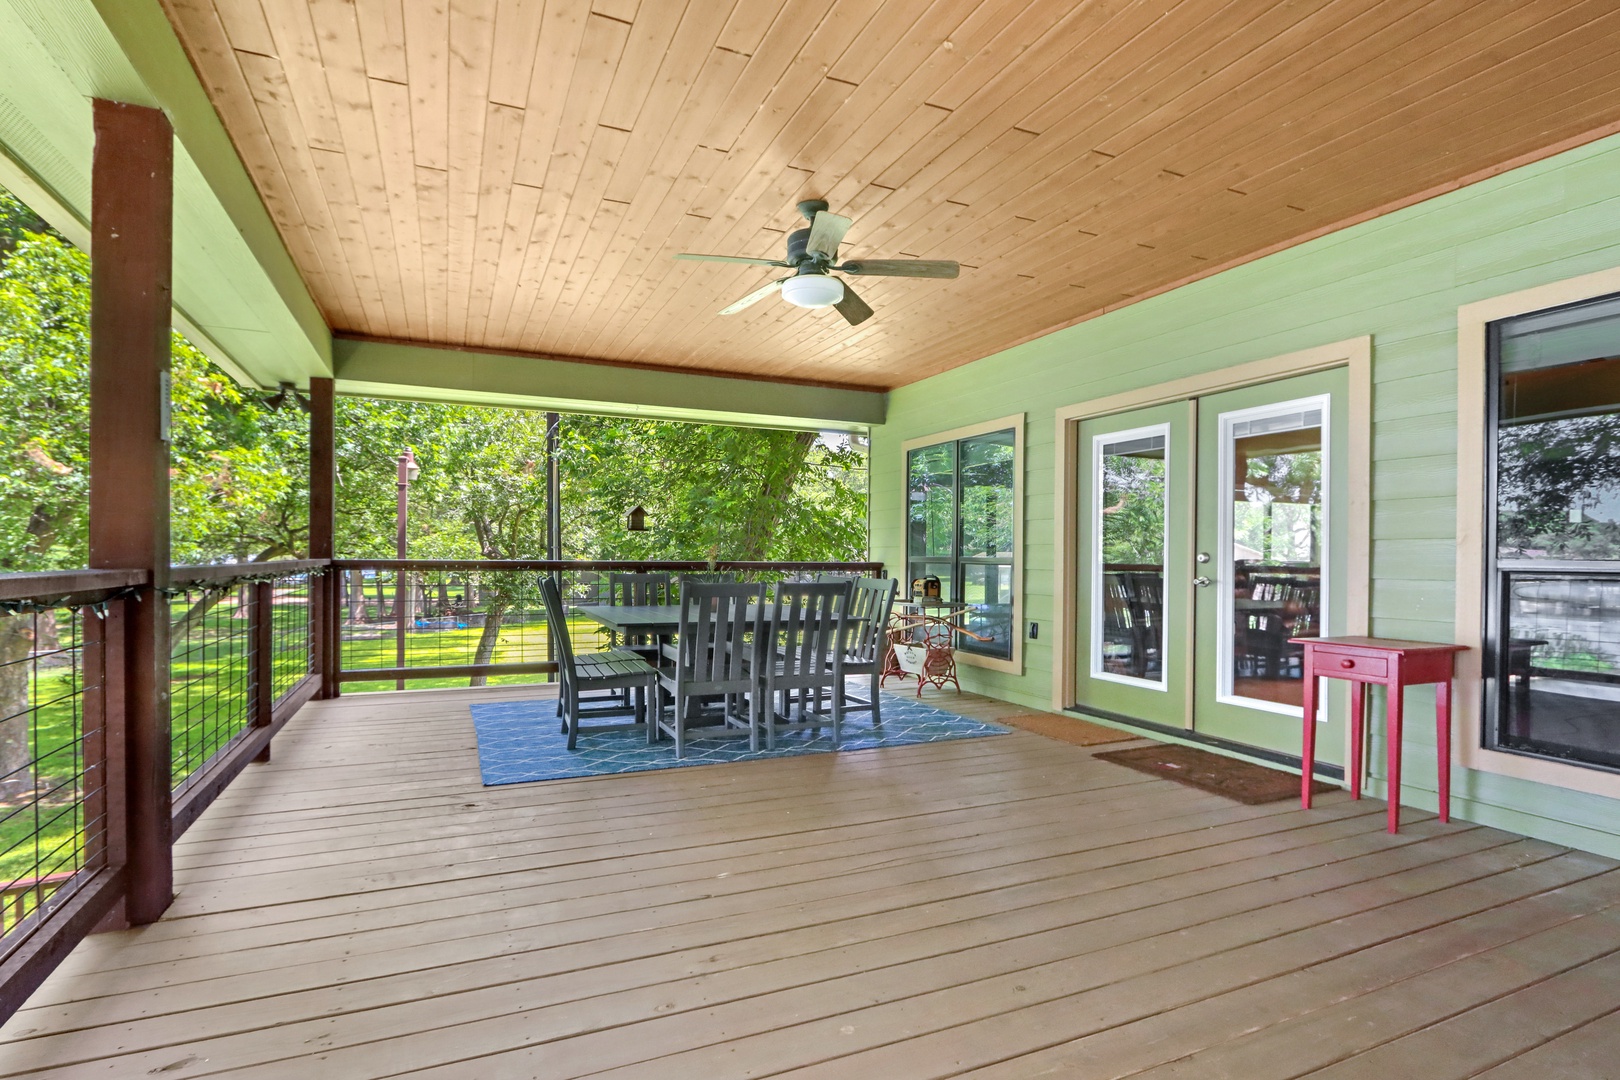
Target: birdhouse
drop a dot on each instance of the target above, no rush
(636, 521)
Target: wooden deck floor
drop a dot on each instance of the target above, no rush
(995, 908)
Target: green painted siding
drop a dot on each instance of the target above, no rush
(1399, 278)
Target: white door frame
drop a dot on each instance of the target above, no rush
(1354, 353)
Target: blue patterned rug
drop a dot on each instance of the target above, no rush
(519, 741)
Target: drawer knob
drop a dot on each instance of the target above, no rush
(1347, 663)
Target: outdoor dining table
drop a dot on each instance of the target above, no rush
(646, 620)
(649, 620)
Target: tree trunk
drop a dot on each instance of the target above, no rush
(486, 641)
(16, 756)
(196, 613)
(766, 510)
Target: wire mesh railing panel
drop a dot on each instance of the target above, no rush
(210, 671)
(52, 774)
(390, 619)
(292, 642)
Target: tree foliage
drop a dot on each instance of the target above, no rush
(238, 470)
(1548, 474)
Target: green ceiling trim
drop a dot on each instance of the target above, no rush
(237, 293)
(142, 30)
(429, 373)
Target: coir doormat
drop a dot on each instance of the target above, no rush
(1218, 775)
(1066, 729)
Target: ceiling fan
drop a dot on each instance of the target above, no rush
(812, 254)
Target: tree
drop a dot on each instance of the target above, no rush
(1548, 473)
(1133, 525)
(711, 492)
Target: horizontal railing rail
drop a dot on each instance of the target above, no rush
(236, 573)
(616, 565)
(68, 587)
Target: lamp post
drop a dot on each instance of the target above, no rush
(408, 471)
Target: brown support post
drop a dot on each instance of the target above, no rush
(131, 227)
(261, 674)
(326, 591)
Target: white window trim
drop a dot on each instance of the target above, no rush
(1226, 615)
(1014, 665)
(1468, 714)
(1094, 543)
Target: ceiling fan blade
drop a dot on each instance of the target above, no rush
(826, 233)
(731, 259)
(755, 297)
(901, 268)
(852, 307)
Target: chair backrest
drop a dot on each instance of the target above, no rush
(557, 623)
(807, 629)
(716, 647)
(869, 606)
(638, 590)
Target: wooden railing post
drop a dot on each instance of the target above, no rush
(106, 804)
(261, 670)
(131, 305)
(325, 591)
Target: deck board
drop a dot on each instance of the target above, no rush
(362, 907)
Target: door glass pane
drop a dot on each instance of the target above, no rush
(987, 496)
(931, 508)
(1128, 581)
(1274, 549)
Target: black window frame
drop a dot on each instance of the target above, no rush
(918, 565)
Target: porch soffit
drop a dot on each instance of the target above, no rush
(516, 176)
(236, 293)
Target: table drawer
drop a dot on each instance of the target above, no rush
(1369, 667)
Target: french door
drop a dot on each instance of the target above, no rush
(1210, 535)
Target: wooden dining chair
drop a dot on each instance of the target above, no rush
(640, 590)
(617, 671)
(804, 658)
(866, 641)
(711, 680)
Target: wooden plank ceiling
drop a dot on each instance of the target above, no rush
(515, 174)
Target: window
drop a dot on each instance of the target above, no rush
(961, 527)
(1553, 609)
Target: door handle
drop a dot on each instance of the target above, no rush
(1202, 582)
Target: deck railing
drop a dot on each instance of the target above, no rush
(450, 622)
(62, 817)
(242, 661)
(249, 644)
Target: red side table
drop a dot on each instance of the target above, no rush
(1394, 665)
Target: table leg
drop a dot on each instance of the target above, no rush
(1392, 736)
(1307, 757)
(1442, 742)
(1358, 731)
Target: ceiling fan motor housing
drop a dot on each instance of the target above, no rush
(798, 248)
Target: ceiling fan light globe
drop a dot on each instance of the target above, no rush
(813, 291)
